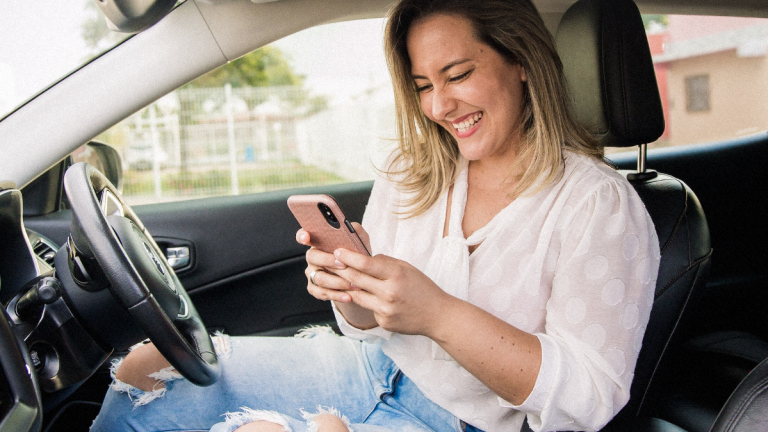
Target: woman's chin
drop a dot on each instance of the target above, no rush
(474, 151)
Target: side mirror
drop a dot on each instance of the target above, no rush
(104, 158)
(45, 194)
(133, 16)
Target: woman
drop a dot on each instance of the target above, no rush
(513, 272)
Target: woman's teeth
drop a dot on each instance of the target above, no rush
(467, 123)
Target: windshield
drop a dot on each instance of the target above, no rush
(42, 42)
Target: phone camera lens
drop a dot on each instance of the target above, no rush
(329, 216)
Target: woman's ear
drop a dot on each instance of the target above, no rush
(523, 76)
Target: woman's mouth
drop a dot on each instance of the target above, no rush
(467, 126)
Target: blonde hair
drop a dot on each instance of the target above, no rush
(427, 155)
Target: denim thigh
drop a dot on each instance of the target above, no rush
(294, 378)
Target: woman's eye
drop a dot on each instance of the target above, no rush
(460, 77)
(423, 88)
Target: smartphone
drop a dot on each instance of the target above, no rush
(326, 224)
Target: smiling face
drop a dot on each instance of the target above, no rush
(467, 87)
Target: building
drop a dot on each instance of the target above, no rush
(707, 68)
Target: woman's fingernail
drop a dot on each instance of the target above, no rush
(346, 298)
(339, 264)
(353, 286)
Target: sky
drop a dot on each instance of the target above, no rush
(38, 45)
(335, 63)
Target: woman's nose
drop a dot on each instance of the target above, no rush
(442, 104)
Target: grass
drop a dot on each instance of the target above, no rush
(213, 182)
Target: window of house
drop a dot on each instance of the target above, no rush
(697, 93)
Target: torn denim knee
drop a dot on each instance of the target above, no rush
(312, 424)
(222, 344)
(246, 415)
(233, 421)
(314, 330)
(141, 397)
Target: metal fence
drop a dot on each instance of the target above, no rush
(200, 142)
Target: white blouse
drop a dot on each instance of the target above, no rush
(574, 264)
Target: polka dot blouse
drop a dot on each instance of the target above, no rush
(574, 264)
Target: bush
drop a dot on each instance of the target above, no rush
(215, 182)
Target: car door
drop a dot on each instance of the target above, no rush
(209, 167)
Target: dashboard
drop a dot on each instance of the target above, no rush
(44, 349)
(20, 398)
(53, 333)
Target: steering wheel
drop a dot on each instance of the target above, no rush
(139, 275)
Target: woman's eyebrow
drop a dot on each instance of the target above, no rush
(444, 68)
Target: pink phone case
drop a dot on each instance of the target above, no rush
(309, 211)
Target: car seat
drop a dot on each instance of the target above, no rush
(747, 408)
(608, 65)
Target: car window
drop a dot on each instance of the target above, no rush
(42, 43)
(712, 74)
(315, 108)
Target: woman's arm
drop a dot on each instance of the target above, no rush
(404, 300)
(504, 358)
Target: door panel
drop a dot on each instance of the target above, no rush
(247, 274)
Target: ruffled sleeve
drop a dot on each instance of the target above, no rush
(596, 317)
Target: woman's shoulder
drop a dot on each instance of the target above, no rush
(591, 171)
(601, 203)
(590, 178)
(582, 166)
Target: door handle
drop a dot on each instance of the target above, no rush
(179, 253)
(178, 257)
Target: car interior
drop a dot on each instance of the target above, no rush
(78, 264)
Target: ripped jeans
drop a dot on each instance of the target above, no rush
(285, 381)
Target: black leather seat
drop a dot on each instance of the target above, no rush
(608, 65)
(747, 408)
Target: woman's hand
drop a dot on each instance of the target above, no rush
(402, 298)
(327, 285)
(398, 297)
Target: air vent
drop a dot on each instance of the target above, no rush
(45, 251)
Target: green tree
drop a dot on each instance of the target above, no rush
(662, 20)
(267, 66)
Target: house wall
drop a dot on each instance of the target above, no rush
(657, 42)
(738, 106)
(685, 27)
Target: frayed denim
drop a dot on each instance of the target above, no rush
(287, 381)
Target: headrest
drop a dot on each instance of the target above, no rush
(608, 65)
